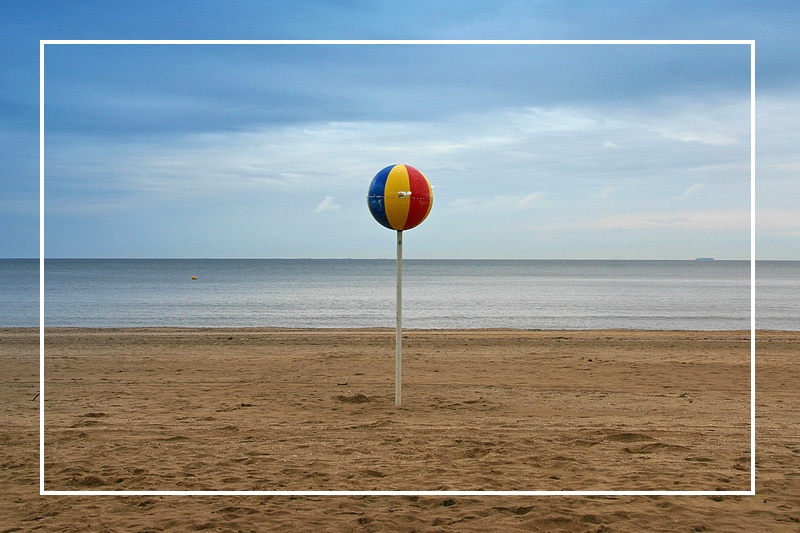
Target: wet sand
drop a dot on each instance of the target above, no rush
(262, 409)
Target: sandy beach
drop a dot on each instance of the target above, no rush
(280, 409)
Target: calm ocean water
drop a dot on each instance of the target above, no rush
(526, 294)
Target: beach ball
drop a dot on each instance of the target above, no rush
(400, 197)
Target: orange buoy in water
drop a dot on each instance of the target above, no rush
(194, 278)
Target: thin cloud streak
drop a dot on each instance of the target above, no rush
(701, 220)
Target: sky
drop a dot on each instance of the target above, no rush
(546, 151)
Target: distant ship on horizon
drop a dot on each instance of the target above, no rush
(703, 258)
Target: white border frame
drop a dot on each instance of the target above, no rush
(750, 492)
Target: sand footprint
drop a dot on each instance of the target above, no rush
(655, 447)
(629, 437)
(651, 446)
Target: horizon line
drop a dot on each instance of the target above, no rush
(343, 258)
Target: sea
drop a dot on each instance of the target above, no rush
(439, 294)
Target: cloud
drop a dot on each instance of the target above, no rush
(720, 124)
(526, 165)
(777, 219)
(463, 203)
(692, 190)
(327, 204)
(603, 193)
(706, 220)
(712, 138)
(529, 201)
(500, 203)
(518, 144)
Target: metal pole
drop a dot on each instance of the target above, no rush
(398, 380)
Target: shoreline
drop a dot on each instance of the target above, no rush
(380, 328)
